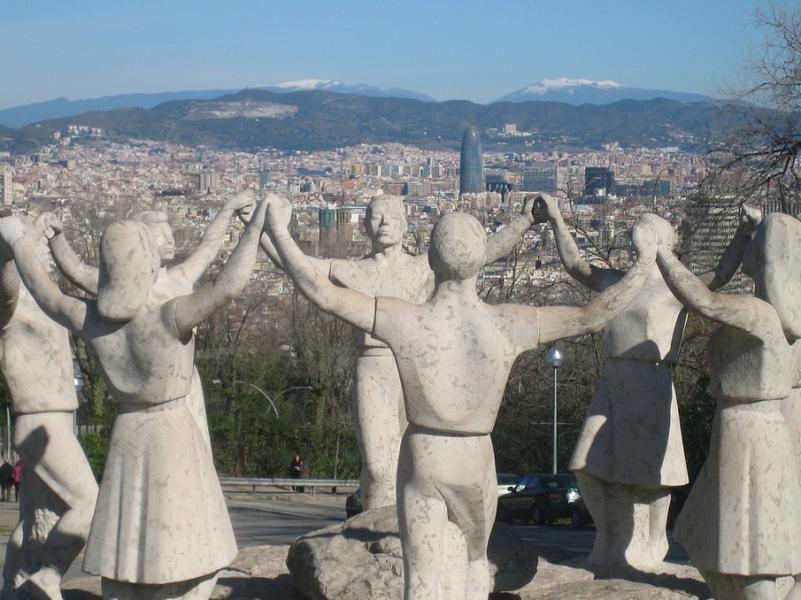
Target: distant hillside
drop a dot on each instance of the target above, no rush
(19, 116)
(586, 91)
(317, 120)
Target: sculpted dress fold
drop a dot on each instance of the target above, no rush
(743, 515)
(161, 515)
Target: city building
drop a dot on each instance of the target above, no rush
(6, 185)
(598, 181)
(471, 169)
(539, 178)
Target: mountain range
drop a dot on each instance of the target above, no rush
(19, 116)
(587, 91)
(318, 120)
(570, 91)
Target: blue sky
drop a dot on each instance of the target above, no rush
(444, 48)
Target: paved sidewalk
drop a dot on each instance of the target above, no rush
(9, 515)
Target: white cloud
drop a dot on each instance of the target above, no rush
(548, 85)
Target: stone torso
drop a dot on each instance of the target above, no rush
(744, 367)
(143, 360)
(408, 278)
(37, 360)
(650, 328)
(453, 361)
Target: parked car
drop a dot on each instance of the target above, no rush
(505, 481)
(543, 499)
(579, 515)
(353, 504)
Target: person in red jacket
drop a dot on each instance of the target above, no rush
(16, 478)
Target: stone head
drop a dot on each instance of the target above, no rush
(664, 230)
(458, 247)
(385, 221)
(771, 260)
(159, 226)
(129, 266)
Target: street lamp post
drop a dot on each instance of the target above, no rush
(555, 359)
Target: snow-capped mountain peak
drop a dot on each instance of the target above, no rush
(302, 84)
(588, 91)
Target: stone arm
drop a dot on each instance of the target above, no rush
(75, 270)
(501, 243)
(733, 254)
(205, 252)
(9, 287)
(529, 326)
(191, 309)
(354, 307)
(595, 278)
(743, 312)
(65, 310)
(320, 264)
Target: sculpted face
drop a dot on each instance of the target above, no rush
(161, 231)
(386, 221)
(165, 241)
(458, 247)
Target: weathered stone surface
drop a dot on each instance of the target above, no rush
(742, 519)
(361, 559)
(454, 355)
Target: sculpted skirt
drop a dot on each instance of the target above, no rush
(743, 514)
(631, 434)
(161, 515)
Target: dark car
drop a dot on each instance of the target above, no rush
(543, 499)
(353, 504)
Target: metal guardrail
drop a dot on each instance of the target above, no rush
(286, 482)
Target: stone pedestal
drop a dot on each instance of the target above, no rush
(360, 559)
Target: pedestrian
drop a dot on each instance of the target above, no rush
(16, 479)
(5, 479)
(296, 468)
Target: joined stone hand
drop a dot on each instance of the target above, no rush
(750, 215)
(48, 225)
(242, 203)
(279, 212)
(545, 208)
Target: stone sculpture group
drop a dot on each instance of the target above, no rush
(432, 368)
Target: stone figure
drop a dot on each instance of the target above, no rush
(454, 355)
(161, 528)
(59, 493)
(742, 520)
(629, 453)
(388, 271)
(173, 281)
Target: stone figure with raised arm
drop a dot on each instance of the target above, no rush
(173, 281)
(389, 271)
(161, 528)
(742, 520)
(629, 453)
(58, 488)
(454, 356)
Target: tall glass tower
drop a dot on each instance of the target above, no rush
(471, 170)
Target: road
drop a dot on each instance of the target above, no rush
(280, 521)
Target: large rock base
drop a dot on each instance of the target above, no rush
(361, 559)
